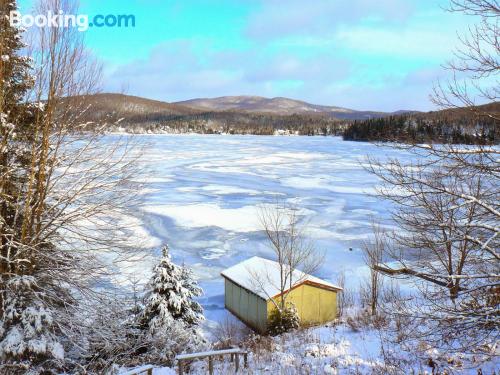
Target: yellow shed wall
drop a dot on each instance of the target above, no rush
(314, 305)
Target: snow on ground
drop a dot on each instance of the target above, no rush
(332, 349)
(200, 195)
(322, 350)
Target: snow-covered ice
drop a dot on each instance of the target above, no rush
(242, 219)
(201, 195)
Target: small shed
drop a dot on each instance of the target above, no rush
(250, 286)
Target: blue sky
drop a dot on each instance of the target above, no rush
(361, 54)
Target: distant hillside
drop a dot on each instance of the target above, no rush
(279, 106)
(140, 109)
(138, 115)
(257, 115)
(128, 106)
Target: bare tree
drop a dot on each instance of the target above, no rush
(295, 254)
(447, 241)
(373, 252)
(342, 299)
(476, 64)
(447, 208)
(230, 332)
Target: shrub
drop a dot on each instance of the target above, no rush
(284, 320)
(230, 332)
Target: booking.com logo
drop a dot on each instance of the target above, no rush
(81, 21)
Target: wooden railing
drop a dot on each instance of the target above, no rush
(148, 370)
(235, 357)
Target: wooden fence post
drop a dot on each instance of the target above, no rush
(237, 359)
(181, 372)
(150, 371)
(245, 359)
(210, 365)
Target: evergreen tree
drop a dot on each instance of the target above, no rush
(171, 297)
(171, 315)
(192, 315)
(16, 119)
(15, 78)
(30, 340)
(29, 297)
(284, 321)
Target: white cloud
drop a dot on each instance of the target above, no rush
(409, 42)
(175, 71)
(359, 54)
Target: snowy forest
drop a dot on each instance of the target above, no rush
(429, 301)
(464, 128)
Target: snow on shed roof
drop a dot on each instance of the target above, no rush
(262, 277)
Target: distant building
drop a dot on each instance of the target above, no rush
(250, 286)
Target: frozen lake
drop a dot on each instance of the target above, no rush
(202, 192)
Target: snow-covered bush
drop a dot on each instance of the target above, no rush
(284, 320)
(111, 337)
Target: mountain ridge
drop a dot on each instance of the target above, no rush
(279, 105)
(129, 105)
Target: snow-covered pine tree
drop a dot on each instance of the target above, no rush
(29, 336)
(192, 315)
(16, 135)
(17, 119)
(171, 315)
(171, 296)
